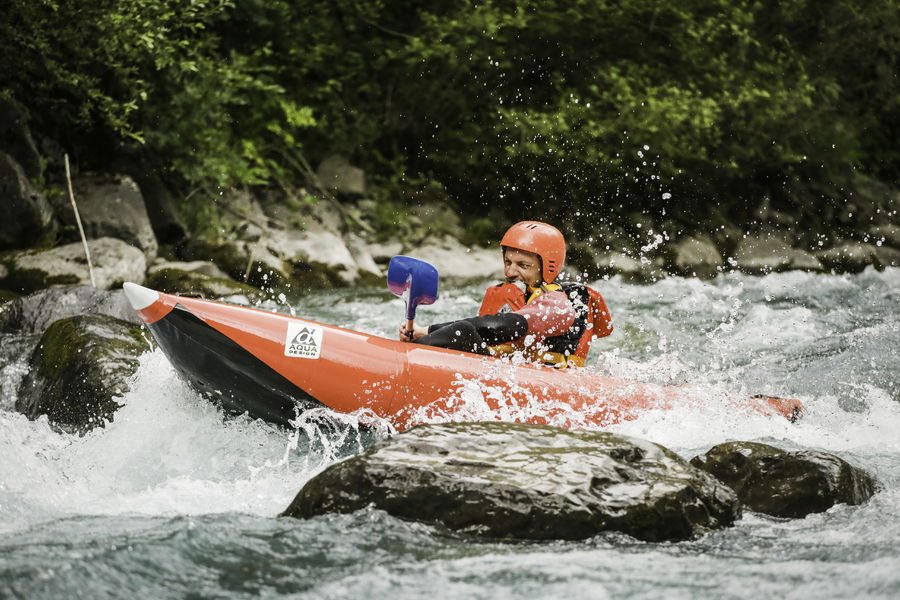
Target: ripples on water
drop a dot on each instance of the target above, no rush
(171, 499)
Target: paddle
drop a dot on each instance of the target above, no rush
(414, 280)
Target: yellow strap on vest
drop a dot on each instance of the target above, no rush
(561, 361)
(546, 287)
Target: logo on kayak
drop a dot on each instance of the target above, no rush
(303, 341)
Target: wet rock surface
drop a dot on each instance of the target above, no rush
(79, 368)
(501, 480)
(33, 313)
(786, 484)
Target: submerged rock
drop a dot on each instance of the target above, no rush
(79, 368)
(786, 484)
(503, 480)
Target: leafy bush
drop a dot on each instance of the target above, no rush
(542, 106)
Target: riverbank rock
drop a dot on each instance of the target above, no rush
(849, 257)
(173, 280)
(889, 257)
(16, 138)
(162, 207)
(502, 480)
(33, 313)
(79, 368)
(115, 262)
(693, 256)
(457, 263)
(786, 484)
(630, 269)
(339, 176)
(762, 254)
(110, 206)
(369, 271)
(317, 257)
(28, 217)
(759, 255)
(888, 234)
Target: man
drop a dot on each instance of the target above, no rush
(547, 322)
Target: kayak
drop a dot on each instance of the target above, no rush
(274, 366)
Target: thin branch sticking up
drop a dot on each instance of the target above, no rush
(87, 251)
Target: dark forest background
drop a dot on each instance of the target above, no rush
(595, 107)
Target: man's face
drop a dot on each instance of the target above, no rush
(519, 265)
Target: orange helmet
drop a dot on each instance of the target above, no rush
(542, 239)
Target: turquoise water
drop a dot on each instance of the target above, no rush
(173, 500)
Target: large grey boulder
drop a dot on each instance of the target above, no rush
(115, 262)
(368, 269)
(163, 209)
(786, 484)
(317, 257)
(887, 256)
(79, 368)
(33, 313)
(638, 270)
(849, 257)
(27, 216)
(16, 139)
(338, 175)
(693, 256)
(761, 254)
(110, 206)
(458, 263)
(502, 480)
(436, 218)
(888, 234)
(199, 267)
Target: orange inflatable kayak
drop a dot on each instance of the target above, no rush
(273, 366)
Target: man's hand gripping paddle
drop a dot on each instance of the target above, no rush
(414, 280)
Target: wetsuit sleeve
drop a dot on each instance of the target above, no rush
(550, 314)
(494, 329)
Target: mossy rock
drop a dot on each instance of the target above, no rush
(79, 368)
(176, 281)
(8, 296)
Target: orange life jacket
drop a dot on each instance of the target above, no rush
(594, 320)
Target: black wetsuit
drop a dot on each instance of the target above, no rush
(475, 334)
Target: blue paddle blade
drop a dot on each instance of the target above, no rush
(414, 280)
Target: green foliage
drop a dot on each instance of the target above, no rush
(547, 107)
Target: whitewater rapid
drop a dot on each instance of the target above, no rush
(190, 490)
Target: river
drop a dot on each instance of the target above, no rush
(173, 500)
